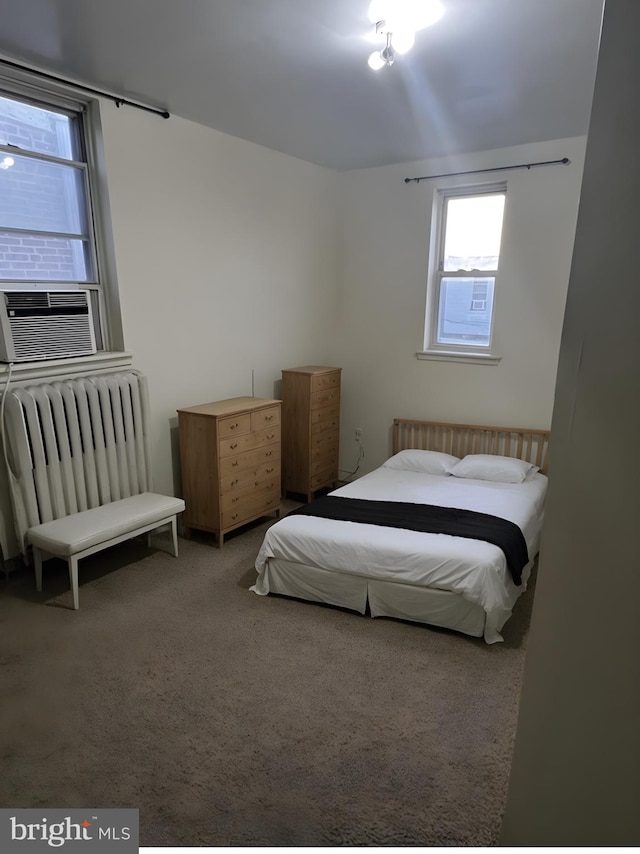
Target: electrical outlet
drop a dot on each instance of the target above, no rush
(358, 434)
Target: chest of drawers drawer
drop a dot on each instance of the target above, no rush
(265, 418)
(250, 459)
(234, 426)
(237, 445)
(325, 413)
(249, 477)
(320, 399)
(321, 382)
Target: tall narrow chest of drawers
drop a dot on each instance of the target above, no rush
(230, 457)
(310, 428)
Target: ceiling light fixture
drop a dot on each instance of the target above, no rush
(397, 21)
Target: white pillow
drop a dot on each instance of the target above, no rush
(493, 467)
(426, 462)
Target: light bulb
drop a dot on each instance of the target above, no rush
(376, 61)
(375, 37)
(410, 15)
(377, 10)
(403, 41)
(6, 162)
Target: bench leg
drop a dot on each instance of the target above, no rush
(73, 578)
(174, 535)
(37, 562)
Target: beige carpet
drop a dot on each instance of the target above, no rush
(231, 719)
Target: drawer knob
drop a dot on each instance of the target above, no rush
(234, 426)
(269, 454)
(234, 463)
(270, 435)
(234, 516)
(235, 500)
(268, 418)
(233, 446)
(269, 470)
(234, 482)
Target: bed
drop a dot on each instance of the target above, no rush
(483, 477)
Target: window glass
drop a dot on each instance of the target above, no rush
(37, 129)
(45, 225)
(473, 228)
(466, 307)
(37, 195)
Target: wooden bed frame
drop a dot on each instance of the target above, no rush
(462, 439)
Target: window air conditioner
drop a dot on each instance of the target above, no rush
(45, 325)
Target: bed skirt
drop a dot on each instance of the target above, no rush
(386, 599)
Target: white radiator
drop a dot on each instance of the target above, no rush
(76, 444)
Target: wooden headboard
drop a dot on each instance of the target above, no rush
(461, 439)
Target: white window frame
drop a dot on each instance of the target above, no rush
(31, 89)
(472, 353)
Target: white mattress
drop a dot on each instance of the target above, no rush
(472, 568)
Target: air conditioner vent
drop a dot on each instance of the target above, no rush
(19, 300)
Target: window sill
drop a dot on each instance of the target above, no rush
(50, 369)
(457, 356)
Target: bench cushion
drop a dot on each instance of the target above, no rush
(79, 531)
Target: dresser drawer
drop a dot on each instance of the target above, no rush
(325, 441)
(330, 426)
(250, 459)
(328, 462)
(234, 425)
(330, 454)
(320, 399)
(324, 381)
(265, 418)
(248, 442)
(249, 477)
(325, 413)
(324, 478)
(249, 494)
(252, 506)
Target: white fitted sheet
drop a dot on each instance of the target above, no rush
(475, 570)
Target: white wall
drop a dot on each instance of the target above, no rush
(233, 258)
(380, 322)
(575, 779)
(226, 259)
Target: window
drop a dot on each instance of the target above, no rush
(461, 286)
(53, 211)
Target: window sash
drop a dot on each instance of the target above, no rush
(471, 326)
(433, 337)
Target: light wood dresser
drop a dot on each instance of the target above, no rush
(230, 457)
(310, 428)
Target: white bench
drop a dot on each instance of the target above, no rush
(79, 465)
(82, 534)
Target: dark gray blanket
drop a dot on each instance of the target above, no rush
(429, 519)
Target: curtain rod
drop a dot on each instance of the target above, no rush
(494, 169)
(118, 101)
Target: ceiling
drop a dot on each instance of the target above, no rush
(292, 75)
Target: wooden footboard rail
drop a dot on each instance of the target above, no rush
(462, 439)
